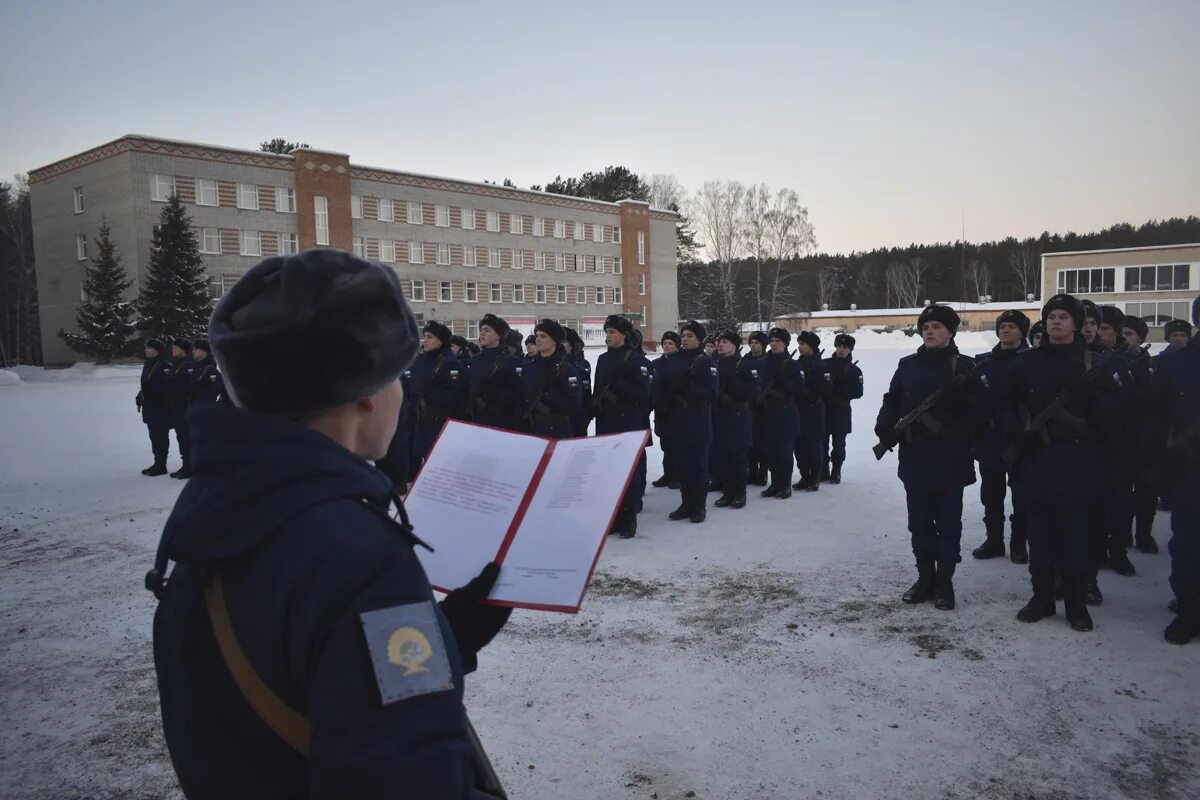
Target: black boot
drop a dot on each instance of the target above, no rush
(699, 506)
(825, 474)
(1173, 606)
(1146, 544)
(184, 472)
(618, 525)
(685, 506)
(812, 483)
(922, 590)
(1017, 552)
(1118, 559)
(739, 501)
(1091, 591)
(661, 482)
(1075, 600)
(835, 477)
(772, 489)
(993, 545)
(1185, 626)
(724, 500)
(1041, 605)
(714, 485)
(630, 529)
(758, 476)
(943, 587)
(785, 490)
(157, 468)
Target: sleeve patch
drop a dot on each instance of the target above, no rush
(407, 651)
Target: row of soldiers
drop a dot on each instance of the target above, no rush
(1085, 427)
(173, 380)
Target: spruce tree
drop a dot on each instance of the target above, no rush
(174, 301)
(104, 316)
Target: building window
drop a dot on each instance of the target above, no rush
(443, 254)
(321, 208)
(250, 243)
(642, 284)
(81, 247)
(518, 259)
(539, 293)
(416, 253)
(472, 292)
(247, 196)
(444, 293)
(493, 221)
(358, 246)
(616, 235)
(210, 241)
(560, 294)
(539, 226)
(417, 290)
(1160, 313)
(539, 259)
(468, 219)
(162, 187)
(468, 255)
(493, 256)
(387, 250)
(441, 216)
(385, 210)
(579, 231)
(617, 265)
(616, 297)
(494, 293)
(420, 319)
(1087, 281)
(641, 247)
(285, 201)
(216, 287)
(1161, 278)
(597, 233)
(560, 262)
(206, 192)
(472, 329)
(78, 193)
(356, 206)
(289, 244)
(518, 293)
(581, 294)
(643, 320)
(581, 263)
(516, 223)
(414, 213)
(560, 229)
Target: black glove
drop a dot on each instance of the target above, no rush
(138, 402)
(474, 624)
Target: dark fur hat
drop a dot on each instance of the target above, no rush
(495, 323)
(154, 343)
(618, 323)
(672, 336)
(1137, 325)
(552, 329)
(1092, 310)
(1036, 329)
(844, 339)
(530, 339)
(305, 332)
(935, 312)
(201, 343)
(1113, 316)
(809, 338)
(182, 342)
(732, 337)
(1016, 318)
(1069, 304)
(782, 334)
(696, 328)
(514, 340)
(575, 340)
(760, 337)
(435, 328)
(459, 341)
(1174, 326)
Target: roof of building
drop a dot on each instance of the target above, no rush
(1121, 250)
(912, 312)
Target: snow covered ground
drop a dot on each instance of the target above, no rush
(763, 654)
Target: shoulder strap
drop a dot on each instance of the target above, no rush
(287, 723)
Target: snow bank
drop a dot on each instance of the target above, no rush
(9, 378)
(83, 371)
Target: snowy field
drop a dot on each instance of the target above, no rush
(763, 654)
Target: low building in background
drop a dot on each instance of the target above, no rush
(461, 248)
(974, 316)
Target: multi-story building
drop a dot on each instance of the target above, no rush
(461, 249)
(1154, 283)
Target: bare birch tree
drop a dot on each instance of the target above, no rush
(980, 277)
(756, 223)
(790, 235)
(1026, 265)
(830, 280)
(718, 211)
(906, 281)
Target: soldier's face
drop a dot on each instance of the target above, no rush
(842, 351)
(199, 354)
(669, 346)
(756, 347)
(379, 426)
(804, 348)
(935, 334)
(614, 338)
(430, 342)
(1037, 339)
(725, 347)
(177, 351)
(1009, 334)
(778, 346)
(530, 349)
(151, 352)
(1108, 335)
(689, 340)
(1179, 339)
(1090, 327)
(1060, 327)
(544, 344)
(488, 337)
(1132, 340)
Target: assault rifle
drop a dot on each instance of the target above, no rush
(921, 414)
(1012, 454)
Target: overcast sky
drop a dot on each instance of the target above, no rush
(892, 120)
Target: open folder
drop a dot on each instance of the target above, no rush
(540, 508)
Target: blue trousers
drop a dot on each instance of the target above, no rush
(733, 468)
(838, 442)
(935, 522)
(1058, 538)
(1184, 546)
(637, 487)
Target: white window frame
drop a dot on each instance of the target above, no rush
(244, 191)
(642, 285)
(516, 224)
(443, 255)
(1062, 282)
(417, 290)
(385, 210)
(518, 293)
(216, 287)
(616, 234)
(560, 262)
(77, 199)
(1154, 285)
(358, 247)
(445, 292)
(250, 243)
(560, 293)
(539, 260)
(597, 232)
(467, 218)
(416, 214)
(580, 295)
(471, 292)
(416, 253)
(441, 216)
(641, 248)
(539, 293)
(387, 250)
(472, 329)
(494, 257)
(81, 247)
(560, 229)
(494, 293)
(205, 247)
(161, 188)
(578, 233)
(616, 265)
(285, 200)
(493, 221)
(202, 184)
(321, 213)
(469, 255)
(539, 226)
(600, 295)
(356, 206)
(289, 244)
(518, 259)
(580, 263)
(618, 295)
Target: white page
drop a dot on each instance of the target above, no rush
(551, 556)
(466, 496)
